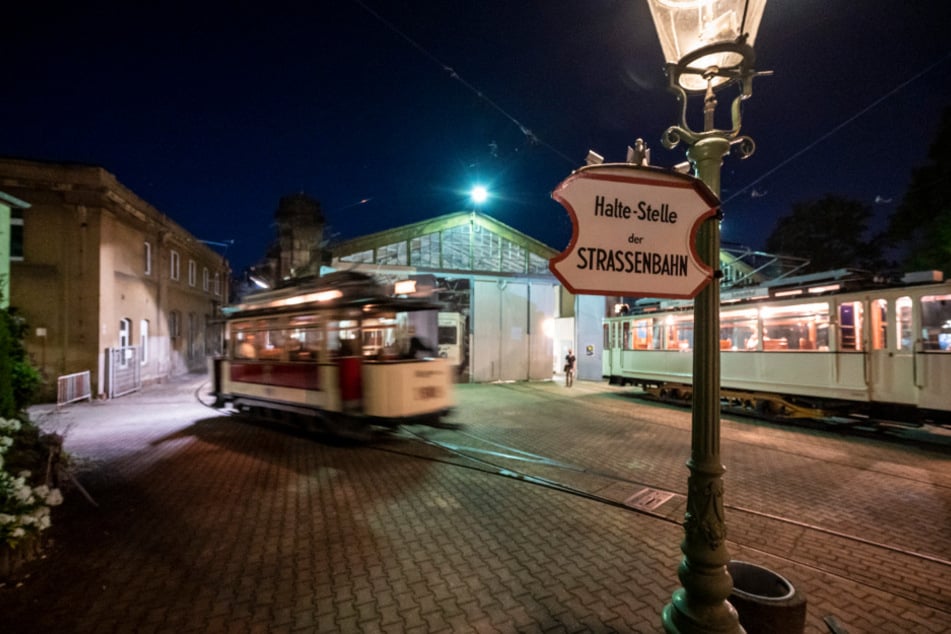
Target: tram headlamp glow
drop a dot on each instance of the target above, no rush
(404, 287)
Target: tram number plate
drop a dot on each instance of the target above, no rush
(428, 392)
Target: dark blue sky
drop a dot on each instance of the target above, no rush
(213, 114)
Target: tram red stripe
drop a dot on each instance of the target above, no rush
(296, 375)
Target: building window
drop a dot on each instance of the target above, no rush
(174, 324)
(205, 279)
(16, 234)
(176, 265)
(148, 258)
(217, 283)
(192, 352)
(125, 340)
(192, 273)
(125, 333)
(144, 340)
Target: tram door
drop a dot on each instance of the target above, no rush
(890, 350)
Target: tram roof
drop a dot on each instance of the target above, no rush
(815, 284)
(342, 289)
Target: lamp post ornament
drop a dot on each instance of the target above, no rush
(718, 35)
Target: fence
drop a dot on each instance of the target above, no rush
(73, 387)
(124, 371)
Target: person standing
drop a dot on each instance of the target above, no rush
(570, 360)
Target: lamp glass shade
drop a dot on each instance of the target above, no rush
(685, 26)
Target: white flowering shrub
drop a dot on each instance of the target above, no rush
(24, 509)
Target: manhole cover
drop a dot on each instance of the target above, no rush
(648, 499)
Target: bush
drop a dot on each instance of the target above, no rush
(19, 381)
(24, 504)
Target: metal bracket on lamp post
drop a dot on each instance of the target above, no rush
(742, 73)
(701, 605)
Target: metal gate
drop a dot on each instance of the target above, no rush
(124, 371)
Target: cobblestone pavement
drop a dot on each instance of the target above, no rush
(514, 523)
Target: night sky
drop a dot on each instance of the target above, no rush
(212, 115)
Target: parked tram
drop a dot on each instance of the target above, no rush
(810, 347)
(334, 354)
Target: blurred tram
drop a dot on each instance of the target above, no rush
(808, 347)
(332, 354)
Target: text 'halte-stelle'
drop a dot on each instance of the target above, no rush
(640, 262)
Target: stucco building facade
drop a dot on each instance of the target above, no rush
(101, 269)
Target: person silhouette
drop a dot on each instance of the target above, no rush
(570, 361)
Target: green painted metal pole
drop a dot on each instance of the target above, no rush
(701, 605)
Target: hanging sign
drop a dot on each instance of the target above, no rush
(634, 232)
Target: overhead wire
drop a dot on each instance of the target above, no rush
(831, 132)
(529, 135)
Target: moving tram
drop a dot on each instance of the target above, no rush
(811, 347)
(334, 354)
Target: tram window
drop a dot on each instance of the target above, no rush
(626, 342)
(878, 326)
(796, 327)
(246, 345)
(304, 344)
(738, 330)
(679, 333)
(448, 335)
(605, 330)
(906, 337)
(936, 323)
(643, 335)
(850, 326)
(658, 334)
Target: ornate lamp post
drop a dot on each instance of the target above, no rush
(708, 46)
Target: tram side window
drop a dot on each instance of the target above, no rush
(803, 327)
(304, 344)
(850, 326)
(936, 323)
(878, 324)
(643, 335)
(906, 336)
(247, 344)
(342, 337)
(738, 330)
(626, 342)
(679, 333)
(658, 334)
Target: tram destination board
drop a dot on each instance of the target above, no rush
(633, 232)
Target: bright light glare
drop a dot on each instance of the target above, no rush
(479, 194)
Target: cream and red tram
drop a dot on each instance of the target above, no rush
(332, 354)
(810, 349)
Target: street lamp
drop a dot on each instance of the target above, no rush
(708, 46)
(479, 194)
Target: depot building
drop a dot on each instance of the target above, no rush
(505, 317)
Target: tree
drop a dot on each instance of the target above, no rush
(829, 232)
(920, 227)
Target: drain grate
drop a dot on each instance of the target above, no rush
(648, 499)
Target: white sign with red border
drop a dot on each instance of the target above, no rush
(634, 232)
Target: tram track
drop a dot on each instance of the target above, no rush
(756, 531)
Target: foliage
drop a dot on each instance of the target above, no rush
(921, 225)
(19, 381)
(24, 508)
(7, 402)
(828, 232)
